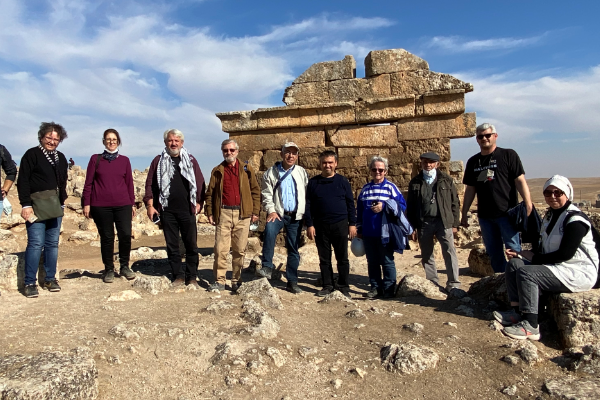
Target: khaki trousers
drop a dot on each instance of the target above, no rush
(231, 232)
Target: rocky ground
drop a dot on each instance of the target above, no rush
(144, 339)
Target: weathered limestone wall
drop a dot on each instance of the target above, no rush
(399, 110)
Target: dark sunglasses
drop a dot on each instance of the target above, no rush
(229, 150)
(380, 170)
(556, 193)
(485, 135)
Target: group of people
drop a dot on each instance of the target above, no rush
(564, 257)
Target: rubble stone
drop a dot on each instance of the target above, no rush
(153, 284)
(571, 388)
(578, 317)
(262, 324)
(414, 285)
(329, 71)
(408, 358)
(394, 60)
(479, 262)
(262, 291)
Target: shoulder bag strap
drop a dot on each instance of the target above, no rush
(282, 178)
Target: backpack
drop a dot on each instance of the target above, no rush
(595, 235)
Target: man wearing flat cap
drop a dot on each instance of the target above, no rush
(283, 192)
(433, 209)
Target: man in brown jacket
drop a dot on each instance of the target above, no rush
(232, 202)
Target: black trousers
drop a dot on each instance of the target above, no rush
(174, 223)
(106, 219)
(336, 236)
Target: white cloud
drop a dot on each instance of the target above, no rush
(462, 45)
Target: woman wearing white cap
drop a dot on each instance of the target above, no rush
(565, 262)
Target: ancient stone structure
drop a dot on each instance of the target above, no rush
(399, 110)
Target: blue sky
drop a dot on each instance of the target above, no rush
(144, 66)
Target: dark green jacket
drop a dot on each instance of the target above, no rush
(447, 198)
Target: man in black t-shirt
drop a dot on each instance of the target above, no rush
(495, 175)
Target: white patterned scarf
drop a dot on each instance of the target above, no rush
(165, 171)
(52, 156)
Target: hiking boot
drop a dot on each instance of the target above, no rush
(178, 282)
(507, 318)
(522, 331)
(264, 272)
(31, 291)
(216, 287)
(293, 287)
(346, 292)
(127, 273)
(193, 283)
(372, 294)
(109, 276)
(325, 291)
(235, 287)
(52, 286)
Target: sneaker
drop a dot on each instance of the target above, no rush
(31, 291)
(293, 287)
(325, 291)
(522, 331)
(235, 287)
(109, 276)
(264, 272)
(507, 318)
(127, 273)
(346, 292)
(178, 282)
(372, 294)
(216, 287)
(52, 286)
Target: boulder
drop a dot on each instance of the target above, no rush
(262, 324)
(479, 262)
(408, 358)
(153, 284)
(49, 375)
(81, 237)
(413, 285)
(490, 288)
(218, 306)
(334, 297)
(572, 388)
(262, 291)
(578, 317)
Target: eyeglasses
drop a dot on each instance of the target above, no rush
(111, 140)
(229, 150)
(380, 170)
(485, 135)
(51, 140)
(556, 193)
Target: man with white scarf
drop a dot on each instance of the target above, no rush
(174, 195)
(564, 261)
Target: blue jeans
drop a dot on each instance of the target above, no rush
(496, 232)
(380, 258)
(293, 229)
(42, 235)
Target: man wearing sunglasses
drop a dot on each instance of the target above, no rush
(283, 192)
(433, 209)
(232, 202)
(495, 175)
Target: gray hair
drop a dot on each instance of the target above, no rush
(227, 141)
(378, 159)
(174, 132)
(484, 127)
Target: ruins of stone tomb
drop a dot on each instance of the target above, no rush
(400, 110)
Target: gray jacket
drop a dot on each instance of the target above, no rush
(273, 202)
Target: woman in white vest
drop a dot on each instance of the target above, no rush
(565, 262)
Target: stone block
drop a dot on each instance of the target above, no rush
(329, 71)
(364, 136)
(387, 109)
(236, 121)
(359, 89)
(270, 157)
(410, 150)
(307, 93)
(479, 263)
(421, 82)
(455, 167)
(577, 316)
(441, 103)
(446, 126)
(273, 139)
(253, 157)
(357, 151)
(49, 375)
(309, 158)
(380, 62)
(328, 114)
(278, 117)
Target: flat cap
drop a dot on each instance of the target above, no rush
(430, 155)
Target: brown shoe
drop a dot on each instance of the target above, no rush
(178, 282)
(193, 282)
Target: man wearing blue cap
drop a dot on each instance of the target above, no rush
(433, 209)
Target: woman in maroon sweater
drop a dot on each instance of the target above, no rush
(108, 198)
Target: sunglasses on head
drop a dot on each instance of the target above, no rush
(485, 135)
(555, 193)
(380, 170)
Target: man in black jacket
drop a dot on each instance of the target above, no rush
(432, 208)
(10, 169)
(330, 217)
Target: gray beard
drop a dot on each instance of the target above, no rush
(173, 153)
(230, 159)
